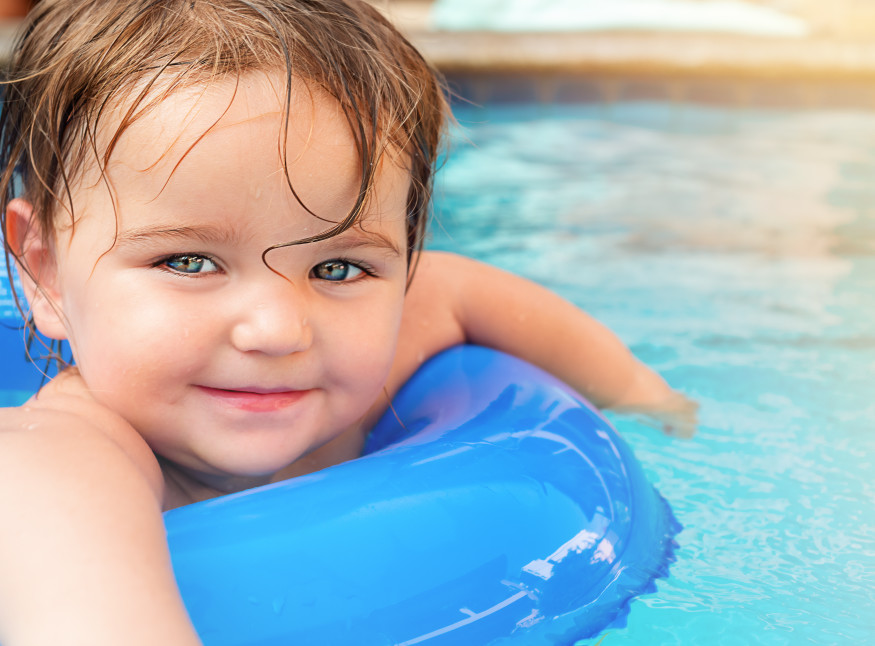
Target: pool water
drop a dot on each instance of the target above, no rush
(734, 251)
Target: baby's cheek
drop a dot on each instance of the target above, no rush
(129, 356)
(374, 365)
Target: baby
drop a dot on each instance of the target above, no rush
(221, 205)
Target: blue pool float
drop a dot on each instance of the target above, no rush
(493, 506)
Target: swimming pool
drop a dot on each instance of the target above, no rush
(734, 250)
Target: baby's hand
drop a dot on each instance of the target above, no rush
(655, 403)
(675, 415)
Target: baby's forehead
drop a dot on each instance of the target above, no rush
(241, 132)
(183, 116)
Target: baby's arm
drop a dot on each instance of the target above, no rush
(499, 310)
(83, 554)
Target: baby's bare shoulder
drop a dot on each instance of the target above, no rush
(63, 429)
(79, 492)
(430, 323)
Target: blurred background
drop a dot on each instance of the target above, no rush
(799, 52)
(699, 175)
(785, 42)
(844, 19)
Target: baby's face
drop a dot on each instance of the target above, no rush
(224, 366)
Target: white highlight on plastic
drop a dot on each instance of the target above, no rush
(604, 552)
(464, 622)
(445, 454)
(584, 540)
(534, 617)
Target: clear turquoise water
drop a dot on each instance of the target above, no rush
(734, 251)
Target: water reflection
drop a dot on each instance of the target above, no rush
(733, 249)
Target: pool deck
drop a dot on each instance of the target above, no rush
(659, 54)
(821, 58)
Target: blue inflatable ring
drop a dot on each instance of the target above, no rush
(492, 507)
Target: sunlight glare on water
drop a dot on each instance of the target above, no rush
(734, 251)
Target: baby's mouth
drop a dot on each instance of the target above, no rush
(255, 399)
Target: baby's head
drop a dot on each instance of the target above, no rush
(220, 203)
(79, 58)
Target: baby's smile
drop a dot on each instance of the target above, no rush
(229, 363)
(255, 399)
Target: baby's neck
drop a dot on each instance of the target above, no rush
(182, 487)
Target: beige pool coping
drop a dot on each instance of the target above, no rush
(821, 59)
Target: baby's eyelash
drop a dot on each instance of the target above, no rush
(365, 268)
(194, 261)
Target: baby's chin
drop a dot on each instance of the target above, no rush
(187, 483)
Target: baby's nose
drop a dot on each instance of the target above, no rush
(273, 322)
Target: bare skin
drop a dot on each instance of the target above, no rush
(454, 300)
(64, 448)
(174, 319)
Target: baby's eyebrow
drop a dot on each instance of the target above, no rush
(204, 233)
(355, 238)
(350, 239)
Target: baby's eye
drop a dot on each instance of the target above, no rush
(336, 270)
(190, 264)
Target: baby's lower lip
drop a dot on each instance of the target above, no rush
(254, 401)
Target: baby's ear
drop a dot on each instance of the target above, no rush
(37, 268)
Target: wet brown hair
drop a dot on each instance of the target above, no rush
(76, 59)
